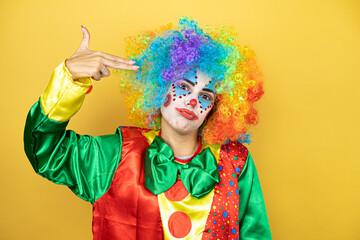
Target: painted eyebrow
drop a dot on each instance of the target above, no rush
(193, 84)
(188, 81)
(209, 90)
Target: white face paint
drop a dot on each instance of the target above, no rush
(188, 101)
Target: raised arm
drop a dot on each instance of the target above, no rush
(85, 164)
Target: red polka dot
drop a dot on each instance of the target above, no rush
(179, 224)
(177, 192)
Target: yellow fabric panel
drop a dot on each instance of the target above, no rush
(197, 209)
(150, 135)
(63, 96)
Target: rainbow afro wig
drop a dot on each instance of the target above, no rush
(165, 54)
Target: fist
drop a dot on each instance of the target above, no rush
(95, 64)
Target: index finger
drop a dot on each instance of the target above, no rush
(118, 65)
(115, 58)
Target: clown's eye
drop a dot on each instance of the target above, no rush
(206, 97)
(184, 87)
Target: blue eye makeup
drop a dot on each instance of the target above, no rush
(181, 91)
(189, 81)
(205, 101)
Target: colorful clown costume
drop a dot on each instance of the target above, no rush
(138, 188)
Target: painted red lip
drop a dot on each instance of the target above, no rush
(187, 113)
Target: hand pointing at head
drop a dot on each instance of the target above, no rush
(87, 63)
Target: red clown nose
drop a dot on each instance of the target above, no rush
(193, 102)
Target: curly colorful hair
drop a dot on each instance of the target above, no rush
(165, 54)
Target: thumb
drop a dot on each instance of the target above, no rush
(86, 38)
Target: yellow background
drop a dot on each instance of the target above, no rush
(306, 146)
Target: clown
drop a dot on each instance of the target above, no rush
(183, 172)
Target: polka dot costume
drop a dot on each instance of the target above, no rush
(223, 220)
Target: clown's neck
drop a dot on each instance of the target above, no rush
(181, 144)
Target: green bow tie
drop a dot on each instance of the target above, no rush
(199, 176)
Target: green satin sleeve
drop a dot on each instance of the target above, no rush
(84, 163)
(253, 218)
